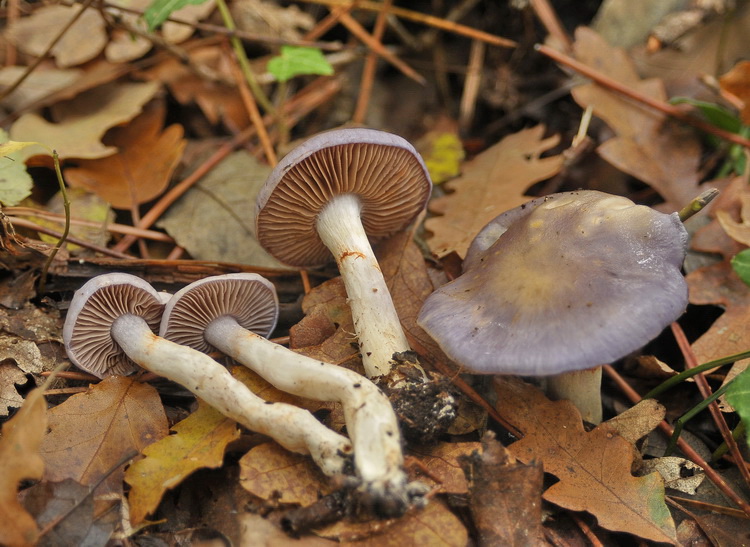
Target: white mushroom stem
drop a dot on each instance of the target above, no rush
(370, 419)
(581, 387)
(375, 320)
(293, 428)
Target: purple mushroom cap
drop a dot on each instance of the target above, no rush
(562, 283)
(382, 169)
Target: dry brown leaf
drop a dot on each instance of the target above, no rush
(256, 530)
(37, 85)
(442, 460)
(90, 433)
(324, 306)
(19, 453)
(504, 496)
(142, 168)
(218, 100)
(81, 42)
(647, 146)
(271, 472)
(433, 525)
(737, 82)
(720, 286)
(491, 183)
(638, 421)
(593, 468)
(81, 122)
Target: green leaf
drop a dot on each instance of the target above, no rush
(160, 10)
(741, 265)
(717, 115)
(738, 395)
(15, 181)
(298, 61)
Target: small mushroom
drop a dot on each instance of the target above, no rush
(110, 328)
(563, 283)
(331, 195)
(233, 313)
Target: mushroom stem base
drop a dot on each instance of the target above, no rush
(581, 387)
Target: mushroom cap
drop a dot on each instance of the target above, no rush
(247, 297)
(93, 310)
(572, 281)
(384, 170)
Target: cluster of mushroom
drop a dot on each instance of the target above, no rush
(111, 328)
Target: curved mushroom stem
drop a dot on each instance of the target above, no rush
(583, 388)
(376, 323)
(370, 419)
(295, 429)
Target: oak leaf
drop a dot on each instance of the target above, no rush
(83, 41)
(737, 82)
(490, 184)
(593, 468)
(19, 453)
(199, 441)
(443, 462)
(143, 166)
(647, 146)
(271, 472)
(80, 124)
(91, 432)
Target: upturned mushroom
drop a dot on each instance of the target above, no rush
(331, 196)
(110, 327)
(562, 284)
(233, 313)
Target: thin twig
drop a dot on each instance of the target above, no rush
(368, 71)
(23, 223)
(471, 85)
(66, 228)
(423, 18)
(252, 110)
(551, 22)
(713, 408)
(686, 449)
(666, 108)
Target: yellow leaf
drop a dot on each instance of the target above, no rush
(443, 159)
(20, 460)
(199, 441)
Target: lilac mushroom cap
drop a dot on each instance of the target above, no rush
(562, 283)
(383, 170)
(248, 298)
(94, 309)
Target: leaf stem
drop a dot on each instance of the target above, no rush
(66, 229)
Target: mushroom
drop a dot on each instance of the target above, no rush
(327, 196)
(233, 313)
(110, 327)
(560, 285)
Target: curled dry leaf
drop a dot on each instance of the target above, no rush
(19, 452)
(91, 432)
(593, 468)
(199, 441)
(739, 231)
(494, 181)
